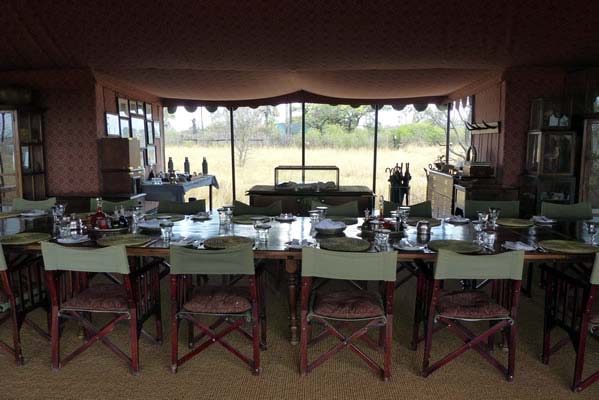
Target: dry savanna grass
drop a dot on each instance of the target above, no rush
(355, 166)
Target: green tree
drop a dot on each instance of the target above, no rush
(319, 115)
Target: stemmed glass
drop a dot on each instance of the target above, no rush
(483, 217)
(592, 231)
(494, 215)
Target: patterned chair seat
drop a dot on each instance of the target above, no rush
(348, 304)
(108, 297)
(218, 300)
(595, 318)
(470, 305)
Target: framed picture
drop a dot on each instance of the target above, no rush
(140, 108)
(125, 131)
(112, 124)
(149, 131)
(156, 129)
(151, 153)
(138, 130)
(148, 111)
(133, 107)
(123, 107)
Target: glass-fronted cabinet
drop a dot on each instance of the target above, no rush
(550, 152)
(589, 171)
(9, 174)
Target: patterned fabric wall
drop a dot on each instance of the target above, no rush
(488, 108)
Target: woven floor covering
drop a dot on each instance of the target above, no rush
(217, 374)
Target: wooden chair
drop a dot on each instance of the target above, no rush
(20, 204)
(175, 207)
(68, 272)
(274, 209)
(349, 209)
(232, 305)
(110, 206)
(22, 290)
(509, 209)
(423, 210)
(453, 309)
(342, 308)
(569, 302)
(572, 212)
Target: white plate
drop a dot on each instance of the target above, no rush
(281, 219)
(34, 213)
(457, 220)
(73, 240)
(402, 245)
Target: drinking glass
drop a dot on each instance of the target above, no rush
(478, 227)
(65, 227)
(222, 216)
(323, 211)
(405, 211)
(262, 232)
(314, 216)
(483, 216)
(494, 215)
(381, 238)
(592, 231)
(166, 229)
(489, 239)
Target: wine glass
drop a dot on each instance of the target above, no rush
(592, 231)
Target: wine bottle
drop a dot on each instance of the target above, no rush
(171, 167)
(204, 167)
(98, 220)
(186, 167)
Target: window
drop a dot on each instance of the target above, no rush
(459, 135)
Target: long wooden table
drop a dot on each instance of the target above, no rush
(281, 233)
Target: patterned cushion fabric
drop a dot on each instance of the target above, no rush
(348, 304)
(469, 305)
(108, 297)
(219, 300)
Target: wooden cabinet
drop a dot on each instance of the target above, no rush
(485, 192)
(589, 169)
(440, 193)
(121, 166)
(537, 189)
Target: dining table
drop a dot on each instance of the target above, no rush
(276, 247)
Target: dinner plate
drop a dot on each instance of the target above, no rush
(344, 244)
(457, 220)
(458, 246)
(128, 239)
(413, 221)
(403, 246)
(73, 240)
(285, 219)
(34, 213)
(226, 242)
(24, 238)
(201, 217)
(568, 246)
(514, 222)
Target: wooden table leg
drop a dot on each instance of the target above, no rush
(292, 267)
(210, 196)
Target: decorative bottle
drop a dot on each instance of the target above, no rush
(171, 167)
(98, 220)
(186, 168)
(204, 167)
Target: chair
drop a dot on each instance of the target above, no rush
(453, 309)
(341, 308)
(509, 209)
(569, 302)
(578, 211)
(274, 209)
(423, 210)
(175, 207)
(20, 204)
(349, 209)
(110, 206)
(68, 274)
(232, 306)
(21, 291)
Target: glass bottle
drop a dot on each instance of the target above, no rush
(186, 167)
(204, 167)
(381, 207)
(171, 167)
(123, 221)
(98, 220)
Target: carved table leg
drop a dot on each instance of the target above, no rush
(292, 266)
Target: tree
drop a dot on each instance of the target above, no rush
(250, 126)
(319, 115)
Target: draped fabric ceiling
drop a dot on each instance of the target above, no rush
(218, 50)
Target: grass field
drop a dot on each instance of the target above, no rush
(355, 166)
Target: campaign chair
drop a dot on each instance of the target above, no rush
(343, 308)
(22, 290)
(453, 309)
(569, 302)
(20, 204)
(109, 206)
(349, 209)
(573, 212)
(68, 272)
(509, 208)
(175, 207)
(233, 306)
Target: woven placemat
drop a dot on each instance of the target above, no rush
(458, 246)
(172, 217)
(346, 220)
(227, 242)
(568, 246)
(413, 221)
(515, 222)
(128, 239)
(246, 219)
(344, 244)
(24, 238)
(9, 215)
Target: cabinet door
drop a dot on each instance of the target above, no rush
(9, 172)
(589, 182)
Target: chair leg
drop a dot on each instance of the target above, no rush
(262, 301)
(304, 332)
(529, 278)
(388, 348)
(428, 341)
(134, 337)
(256, 342)
(417, 312)
(511, 366)
(580, 350)
(190, 335)
(158, 324)
(174, 343)
(491, 339)
(16, 337)
(55, 339)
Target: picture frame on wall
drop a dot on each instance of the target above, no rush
(123, 107)
(149, 131)
(156, 129)
(138, 130)
(132, 107)
(148, 111)
(124, 128)
(151, 154)
(112, 125)
(140, 108)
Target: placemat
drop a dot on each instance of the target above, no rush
(458, 246)
(24, 238)
(413, 221)
(568, 246)
(128, 239)
(515, 222)
(246, 219)
(172, 217)
(344, 244)
(9, 215)
(227, 242)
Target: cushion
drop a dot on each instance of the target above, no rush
(470, 305)
(349, 209)
(218, 300)
(175, 207)
(273, 209)
(108, 297)
(348, 304)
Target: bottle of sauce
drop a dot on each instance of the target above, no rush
(99, 219)
(204, 167)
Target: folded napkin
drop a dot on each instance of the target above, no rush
(518, 246)
(329, 224)
(182, 242)
(456, 219)
(541, 219)
(297, 244)
(406, 244)
(151, 224)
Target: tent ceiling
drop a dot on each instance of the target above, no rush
(223, 50)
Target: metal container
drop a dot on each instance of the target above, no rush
(423, 228)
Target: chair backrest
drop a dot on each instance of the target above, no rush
(349, 266)
(109, 206)
(422, 210)
(238, 260)
(63, 258)
(567, 211)
(595, 271)
(509, 209)
(175, 207)
(506, 265)
(349, 209)
(3, 265)
(273, 209)
(20, 204)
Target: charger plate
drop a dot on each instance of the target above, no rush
(5, 215)
(227, 242)
(413, 221)
(247, 219)
(344, 244)
(458, 246)
(24, 238)
(568, 246)
(172, 217)
(128, 239)
(515, 222)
